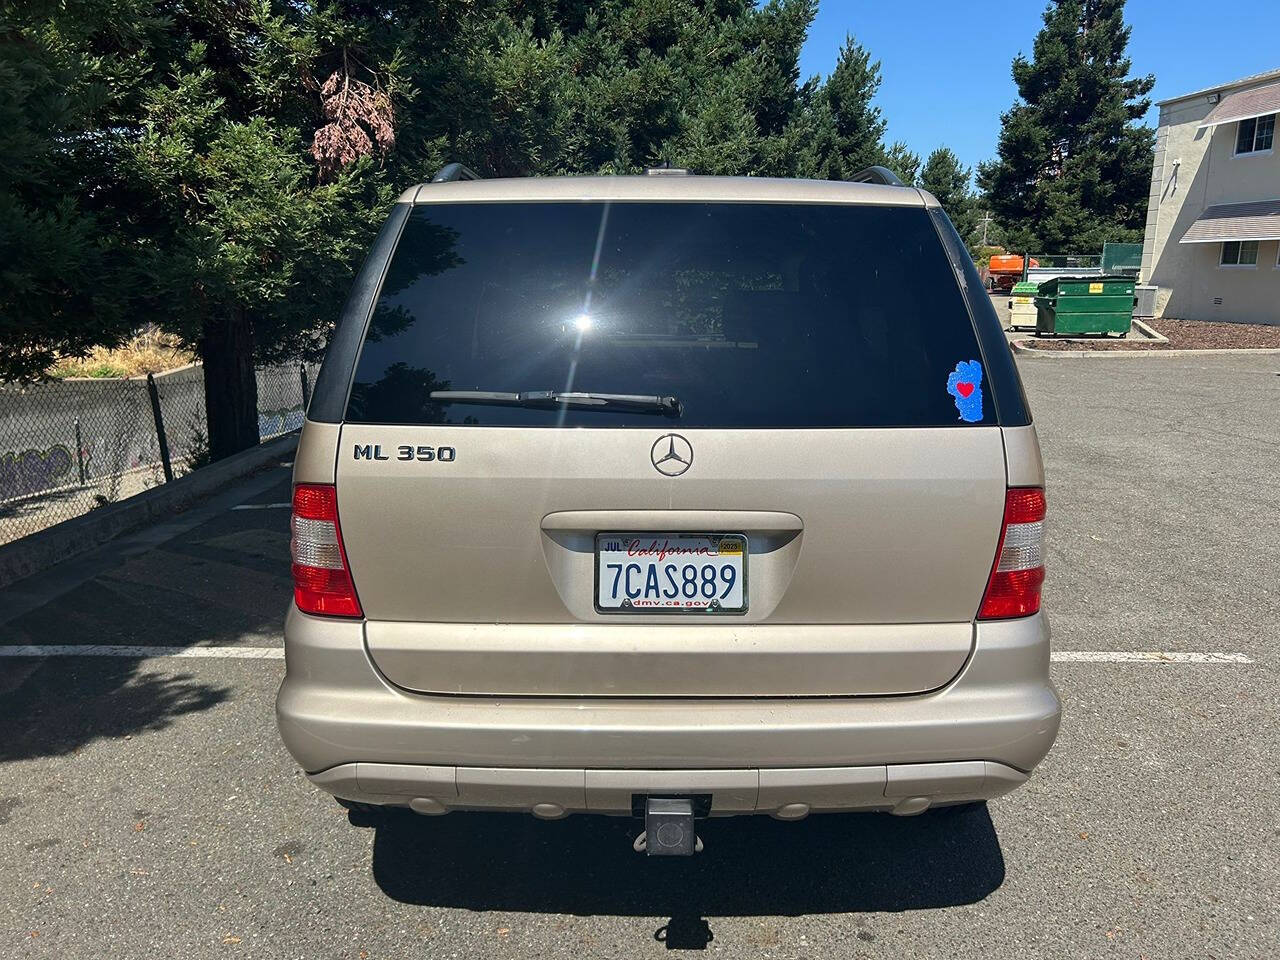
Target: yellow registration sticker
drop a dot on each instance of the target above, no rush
(1095, 288)
(729, 547)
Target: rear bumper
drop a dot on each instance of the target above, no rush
(363, 739)
(787, 793)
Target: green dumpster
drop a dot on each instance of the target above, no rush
(1073, 305)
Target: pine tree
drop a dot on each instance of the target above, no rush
(66, 74)
(547, 87)
(903, 161)
(251, 189)
(220, 170)
(945, 177)
(838, 130)
(170, 169)
(1074, 161)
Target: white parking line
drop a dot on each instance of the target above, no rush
(277, 653)
(262, 506)
(121, 650)
(1156, 656)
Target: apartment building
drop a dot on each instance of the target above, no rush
(1212, 243)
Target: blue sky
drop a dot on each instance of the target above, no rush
(945, 64)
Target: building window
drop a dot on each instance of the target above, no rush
(1239, 253)
(1256, 134)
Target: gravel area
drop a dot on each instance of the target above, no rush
(1182, 334)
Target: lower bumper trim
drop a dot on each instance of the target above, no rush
(787, 793)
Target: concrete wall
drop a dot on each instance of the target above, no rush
(1194, 169)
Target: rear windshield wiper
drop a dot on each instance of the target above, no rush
(551, 399)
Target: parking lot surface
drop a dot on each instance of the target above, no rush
(147, 808)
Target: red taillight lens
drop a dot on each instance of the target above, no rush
(321, 578)
(1018, 572)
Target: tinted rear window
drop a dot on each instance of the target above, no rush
(753, 315)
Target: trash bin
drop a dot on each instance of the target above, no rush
(1073, 305)
(1022, 305)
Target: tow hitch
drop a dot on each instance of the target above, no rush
(668, 828)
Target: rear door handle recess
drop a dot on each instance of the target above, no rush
(746, 521)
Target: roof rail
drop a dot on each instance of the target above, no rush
(455, 171)
(665, 169)
(877, 174)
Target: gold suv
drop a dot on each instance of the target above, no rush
(669, 496)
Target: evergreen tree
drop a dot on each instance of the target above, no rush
(547, 87)
(945, 177)
(1074, 161)
(67, 72)
(838, 131)
(219, 169)
(164, 166)
(903, 161)
(250, 185)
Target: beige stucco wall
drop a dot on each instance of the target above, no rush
(1194, 169)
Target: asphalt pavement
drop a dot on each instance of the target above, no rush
(147, 808)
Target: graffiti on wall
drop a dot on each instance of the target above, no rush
(274, 423)
(30, 471)
(27, 472)
(126, 453)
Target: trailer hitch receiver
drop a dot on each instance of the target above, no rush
(668, 828)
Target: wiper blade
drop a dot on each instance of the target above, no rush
(550, 399)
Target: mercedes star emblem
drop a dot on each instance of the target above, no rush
(671, 454)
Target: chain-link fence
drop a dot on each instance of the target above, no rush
(73, 445)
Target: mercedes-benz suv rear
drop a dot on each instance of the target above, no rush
(668, 493)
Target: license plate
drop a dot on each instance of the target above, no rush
(671, 573)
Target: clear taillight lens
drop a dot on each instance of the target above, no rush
(321, 577)
(1013, 589)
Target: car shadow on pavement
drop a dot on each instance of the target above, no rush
(751, 866)
(50, 707)
(223, 582)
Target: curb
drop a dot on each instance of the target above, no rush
(1017, 347)
(1150, 332)
(80, 534)
(1149, 335)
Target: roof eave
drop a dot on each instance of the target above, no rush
(1223, 88)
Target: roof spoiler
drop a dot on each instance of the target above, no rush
(455, 171)
(882, 175)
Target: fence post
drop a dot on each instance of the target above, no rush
(306, 387)
(164, 442)
(79, 451)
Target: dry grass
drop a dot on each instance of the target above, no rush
(148, 351)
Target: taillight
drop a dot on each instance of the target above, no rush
(1018, 572)
(321, 577)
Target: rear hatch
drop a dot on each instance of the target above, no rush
(814, 388)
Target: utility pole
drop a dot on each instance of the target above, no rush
(986, 219)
